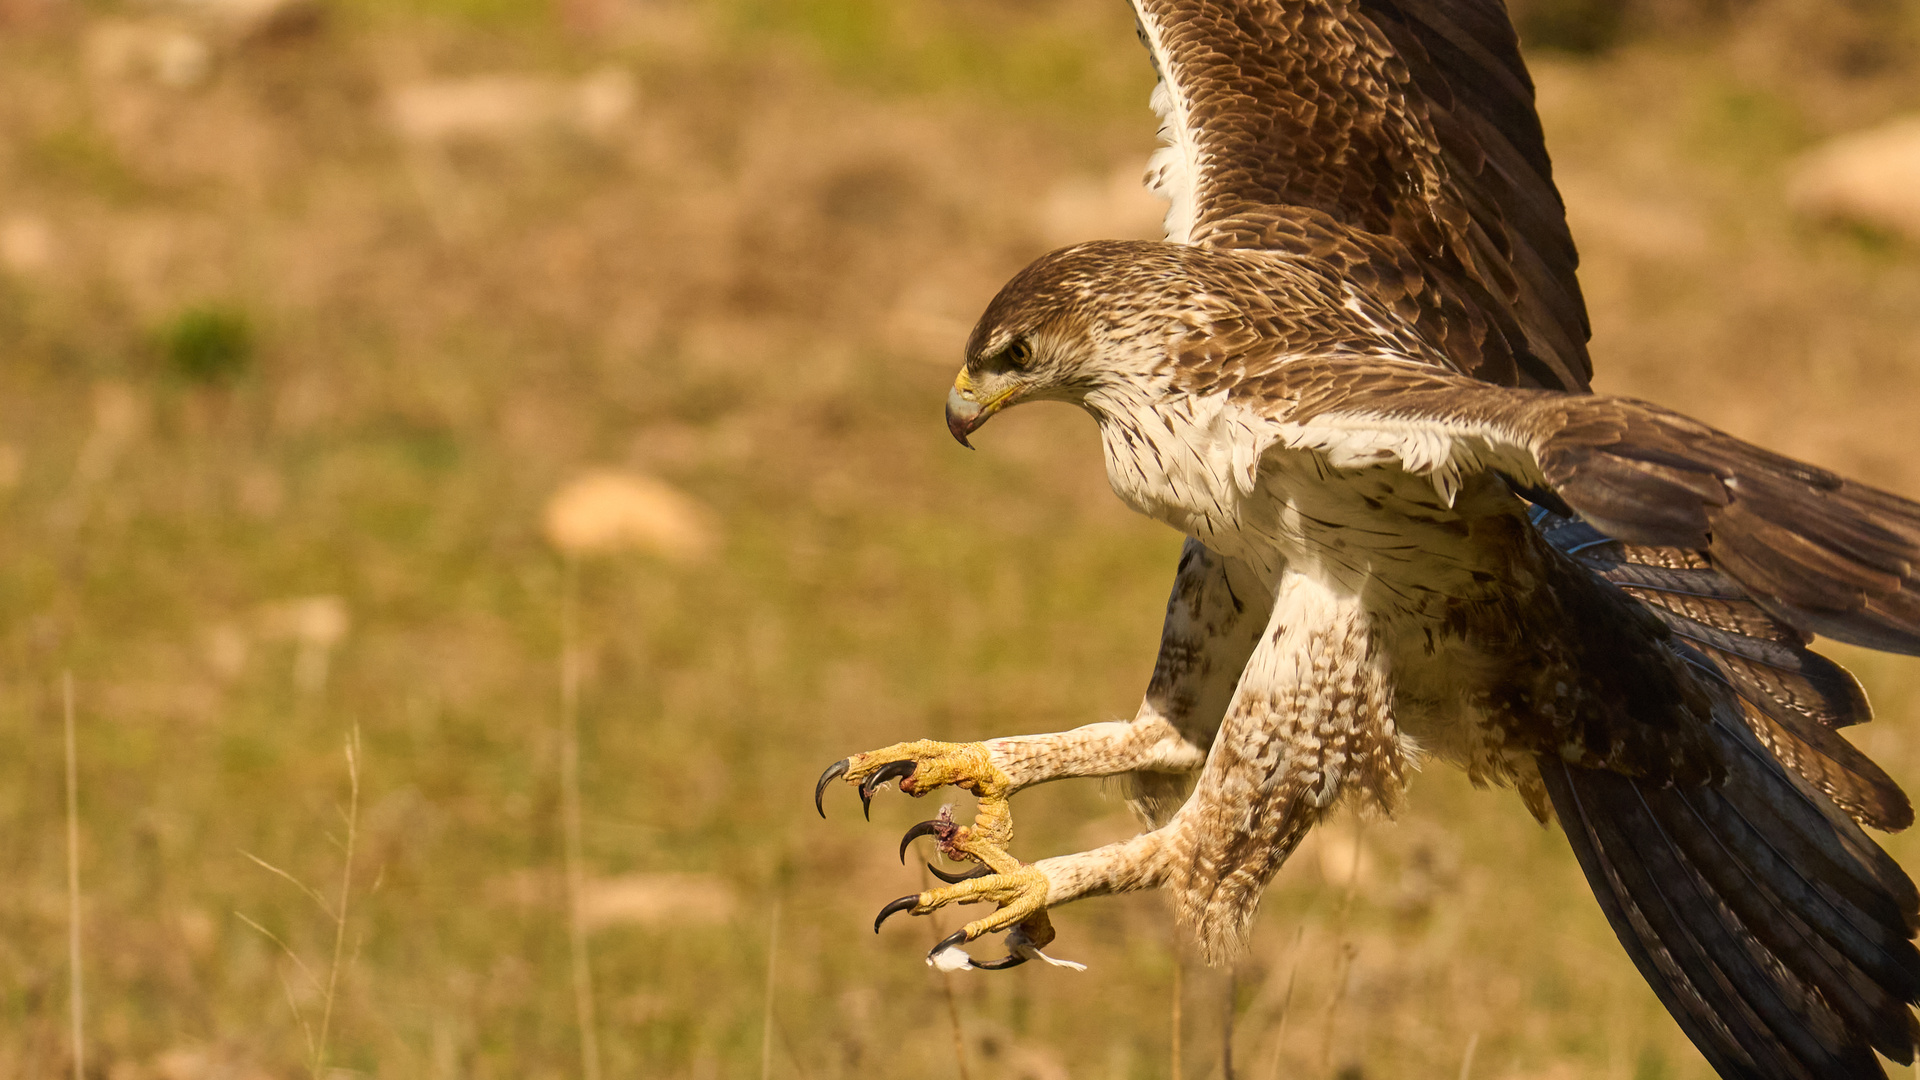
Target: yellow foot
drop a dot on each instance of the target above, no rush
(1020, 896)
(922, 766)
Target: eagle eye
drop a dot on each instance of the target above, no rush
(1018, 354)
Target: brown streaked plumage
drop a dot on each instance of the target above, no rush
(1355, 377)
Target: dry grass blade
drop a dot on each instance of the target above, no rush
(337, 912)
(766, 1005)
(584, 1010)
(312, 893)
(1175, 1022)
(1343, 962)
(346, 892)
(946, 988)
(1286, 1005)
(1226, 1027)
(284, 947)
(76, 993)
(293, 1006)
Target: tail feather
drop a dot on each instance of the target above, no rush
(1773, 930)
(1813, 940)
(1776, 932)
(1837, 879)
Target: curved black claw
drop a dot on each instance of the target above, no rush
(954, 879)
(925, 828)
(905, 903)
(891, 770)
(1001, 964)
(957, 938)
(834, 772)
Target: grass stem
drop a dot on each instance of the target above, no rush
(1286, 1004)
(1226, 1027)
(340, 909)
(583, 1002)
(1175, 1023)
(939, 930)
(77, 997)
(1343, 961)
(766, 1006)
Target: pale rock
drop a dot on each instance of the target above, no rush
(656, 900)
(1869, 178)
(26, 243)
(120, 415)
(509, 108)
(604, 511)
(156, 49)
(316, 625)
(227, 648)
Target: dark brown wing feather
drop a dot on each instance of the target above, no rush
(1409, 121)
(1793, 699)
(1821, 553)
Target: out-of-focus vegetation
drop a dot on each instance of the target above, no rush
(305, 318)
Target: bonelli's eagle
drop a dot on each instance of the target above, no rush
(1355, 376)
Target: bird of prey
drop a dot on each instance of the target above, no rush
(1355, 376)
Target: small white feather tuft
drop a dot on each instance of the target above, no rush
(951, 958)
(1038, 955)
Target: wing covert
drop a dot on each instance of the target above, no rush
(1409, 121)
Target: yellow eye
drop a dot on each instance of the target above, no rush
(1018, 353)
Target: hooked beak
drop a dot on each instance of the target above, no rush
(966, 411)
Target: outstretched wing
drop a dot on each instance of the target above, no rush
(1394, 138)
(1819, 552)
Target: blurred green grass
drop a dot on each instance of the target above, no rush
(753, 283)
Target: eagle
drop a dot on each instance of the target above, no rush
(1355, 376)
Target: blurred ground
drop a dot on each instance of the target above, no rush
(307, 311)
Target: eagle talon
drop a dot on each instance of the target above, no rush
(891, 770)
(905, 903)
(980, 871)
(1002, 964)
(933, 828)
(834, 772)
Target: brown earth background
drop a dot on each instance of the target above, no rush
(306, 312)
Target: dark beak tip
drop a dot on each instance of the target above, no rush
(964, 417)
(959, 428)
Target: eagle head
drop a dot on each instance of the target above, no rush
(1074, 321)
